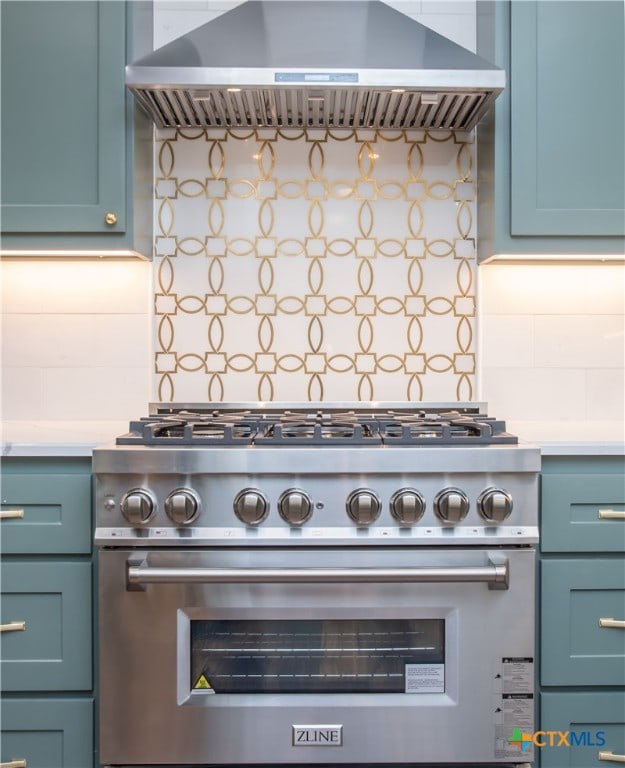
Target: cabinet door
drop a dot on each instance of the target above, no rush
(63, 116)
(55, 514)
(567, 117)
(595, 723)
(579, 513)
(46, 614)
(47, 733)
(576, 595)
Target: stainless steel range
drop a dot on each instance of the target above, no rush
(288, 584)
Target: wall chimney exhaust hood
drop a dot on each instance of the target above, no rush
(334, 64)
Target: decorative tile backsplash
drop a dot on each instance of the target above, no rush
(314, 266)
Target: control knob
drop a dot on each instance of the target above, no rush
(251, 506)
(407, 506)
(137, 506)
(363, 506)
(495, 505)
(451, 505)
(295, 506)
(182, 506)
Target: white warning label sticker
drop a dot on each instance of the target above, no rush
(513, 736)
(425, 678)
(518, 675)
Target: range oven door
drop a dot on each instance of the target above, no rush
(305, 656)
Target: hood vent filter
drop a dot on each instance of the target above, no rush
(338, 64)
(296, 108)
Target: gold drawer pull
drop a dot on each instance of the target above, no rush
(11, 514)
(611, 514)
(19, 763)
(612, 623)
(612, 757)
(12, 626)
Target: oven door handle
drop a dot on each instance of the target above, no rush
(140, 573)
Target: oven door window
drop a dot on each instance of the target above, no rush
(318, 656)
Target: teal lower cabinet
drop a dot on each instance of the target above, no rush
(46, 614)
(581, 720)
(582, 602)
(51, 604)
(582, 729)
(47, 733)
(582, 512)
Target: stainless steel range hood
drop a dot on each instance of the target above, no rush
(338, 64)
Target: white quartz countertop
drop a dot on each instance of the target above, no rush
(57, 438)
(78, 438)
(572, 438)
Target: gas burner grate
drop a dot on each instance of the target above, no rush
(457, 429)
(319, 426)
(318, 432)
(190, 432)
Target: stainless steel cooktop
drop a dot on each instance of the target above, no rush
(409, 474)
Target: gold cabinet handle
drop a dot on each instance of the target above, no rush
(611, 514)
(13, 626)
(11, 514)
(19, 763)
(612, 623)
(110, 218)
(611, 757)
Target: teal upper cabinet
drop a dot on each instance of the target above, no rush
(568, 116)
(551, 155)
(76, 158)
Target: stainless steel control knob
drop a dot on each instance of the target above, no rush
(495, 505)
(251, 506)
(137, 506)
(407, 506)
(451, 505)
(295, 506)
(363, 506)
(182, 506)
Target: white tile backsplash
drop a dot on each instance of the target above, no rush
(105, 286)
(535, 394)
(508, 342)
(580, 341)
(103, 393)
(605, 389)
(22, 394)
(76, 339)
(552, 341)
(552, 289)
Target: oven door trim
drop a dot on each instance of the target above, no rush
(188, 697)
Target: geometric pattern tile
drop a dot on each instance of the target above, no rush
(314, 265)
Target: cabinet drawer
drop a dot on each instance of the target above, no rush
(47, 733)
(56, 514)
(595, 723)
(575, 595)
(576, 513)
(53, 650)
